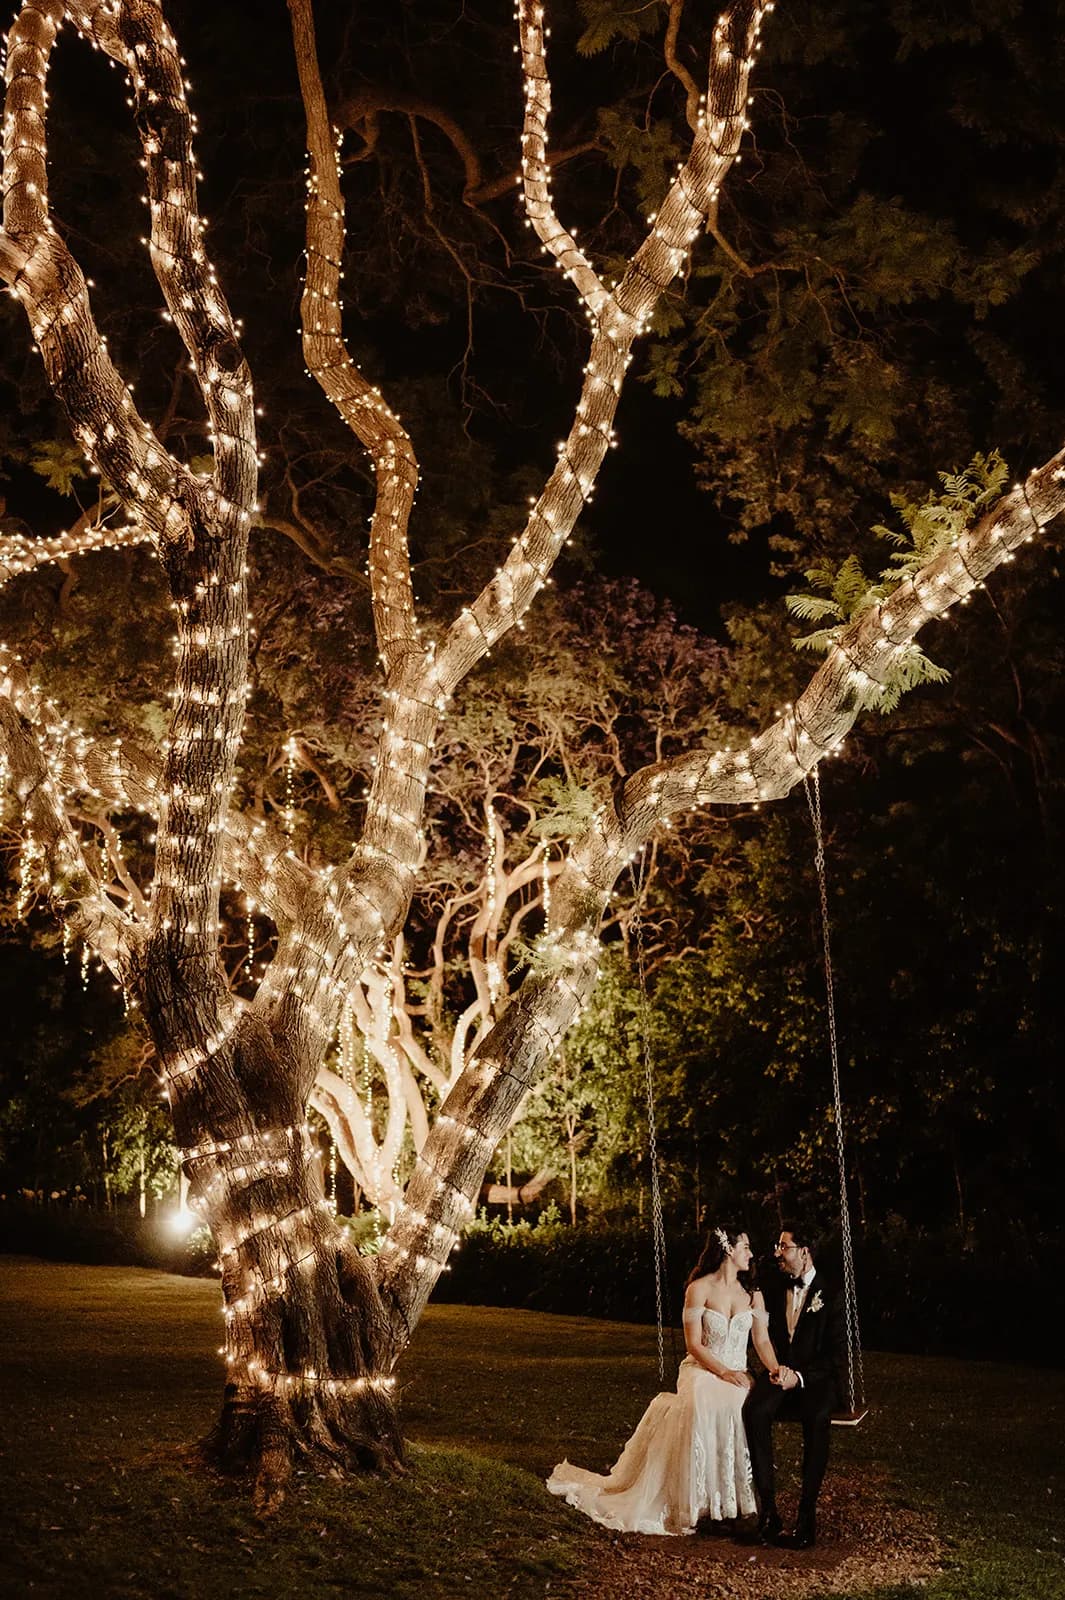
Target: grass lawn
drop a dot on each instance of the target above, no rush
(108, 1373)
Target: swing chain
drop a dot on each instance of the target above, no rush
(855, 1373)
(658, 1230)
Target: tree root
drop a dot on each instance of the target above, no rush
(264, 1437)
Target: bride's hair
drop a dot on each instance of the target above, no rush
(719, 1241)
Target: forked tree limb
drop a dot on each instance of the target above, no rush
(373, 892)
(618, 316)
(54, 293)
(382, 869)
(135, 35)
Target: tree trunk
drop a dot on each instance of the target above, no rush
(959, 1191)
(859, 1173)
(307, 1376)
(306, 1342)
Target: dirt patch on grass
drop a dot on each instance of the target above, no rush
(865, 1542)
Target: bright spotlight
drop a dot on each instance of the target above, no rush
(181, 1222)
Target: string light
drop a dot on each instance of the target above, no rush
(249, 929)
(288, 814)
(492, 968)
(332, 1195)
(337, 921)
(261, 1377)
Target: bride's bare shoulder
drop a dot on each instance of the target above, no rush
(697, 1293)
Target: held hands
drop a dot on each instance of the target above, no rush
(784, 1378)
(742, 1380)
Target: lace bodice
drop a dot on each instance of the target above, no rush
(726, 1337)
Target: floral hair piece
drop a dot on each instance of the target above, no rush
(722, 1238)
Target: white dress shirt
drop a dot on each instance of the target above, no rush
(797, 1291)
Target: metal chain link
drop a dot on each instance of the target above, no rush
(855, 1373)
(658, 1228)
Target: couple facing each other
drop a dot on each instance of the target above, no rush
(705, 1451)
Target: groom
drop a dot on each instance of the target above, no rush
(808, 1328)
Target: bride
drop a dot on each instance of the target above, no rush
(688, 1457)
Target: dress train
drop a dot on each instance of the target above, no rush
(687, 1458)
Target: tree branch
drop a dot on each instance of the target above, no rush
(18, 555)
(617, 318)
(362, 407)
(487, 1095)
(32, 747)
(677, 67)
(149, 481)
(535, 172)
(138, 38)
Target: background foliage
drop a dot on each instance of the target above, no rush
(873, 310)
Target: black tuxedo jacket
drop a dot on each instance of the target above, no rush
(818, 1348)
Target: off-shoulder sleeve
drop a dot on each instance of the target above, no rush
(759, 1313)
(692, 1311)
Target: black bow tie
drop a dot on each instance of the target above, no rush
(796, 1283)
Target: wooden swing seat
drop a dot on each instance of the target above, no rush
(849, 1419)
(839, 1419)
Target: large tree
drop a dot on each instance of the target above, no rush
(312, 1329)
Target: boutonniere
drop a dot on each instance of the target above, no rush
(816, 1304)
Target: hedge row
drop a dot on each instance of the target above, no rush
(919, 1293)
(120, 1238)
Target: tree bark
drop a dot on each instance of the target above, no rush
(306, 1348)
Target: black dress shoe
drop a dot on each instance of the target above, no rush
(804, 1537)
(769, 1528)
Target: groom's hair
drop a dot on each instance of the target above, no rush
(805, 1235)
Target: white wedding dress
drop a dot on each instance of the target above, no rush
(688, 1457)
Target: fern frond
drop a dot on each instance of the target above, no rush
(820, 577)
(850, 586)
(821, 642)
(812, 607)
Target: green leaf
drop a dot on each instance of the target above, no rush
(59, 463)
(607, 21)
(812, 607)
(821, 642)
